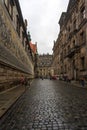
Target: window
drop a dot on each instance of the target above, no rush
(69, 28)
(83, 63)
(74, 25)
(68, 47)
(11, 9)
(6, 3)
(23, 38)
(74, 43)
(82, 37)
(65, 68)
(18, 25)
(9, 6)
(82, 13)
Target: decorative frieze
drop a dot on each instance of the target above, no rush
(14, 61)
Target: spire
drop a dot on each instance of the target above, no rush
(29, 36)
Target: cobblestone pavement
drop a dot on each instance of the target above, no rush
(48, 105)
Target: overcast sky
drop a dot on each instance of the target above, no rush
(43, 17)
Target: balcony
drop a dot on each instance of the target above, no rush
(72, 33)
(72, 51)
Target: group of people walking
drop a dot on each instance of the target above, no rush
(82, 80)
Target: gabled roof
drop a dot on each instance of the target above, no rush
(33, 47)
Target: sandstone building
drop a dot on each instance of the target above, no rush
(15, 52)
(44, 67)
(70, 48)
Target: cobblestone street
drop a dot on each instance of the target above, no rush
(48, 105)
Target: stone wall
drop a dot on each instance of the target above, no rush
(9, 77)
(14, 61)
(9, 38)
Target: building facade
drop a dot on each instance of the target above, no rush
(70, 48)
(44, 67)
(35, 57)
(15, 52)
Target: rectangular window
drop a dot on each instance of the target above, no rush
(83, 63)
(11, 9)
(6, 3)
(65, 68)
(82, 13)
(23, 38)
(18, 25)
(82, 37)
(68, 47)
(74, 25)
(9, 6)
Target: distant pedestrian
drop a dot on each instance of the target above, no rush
(26, 81)
(22, 80)
(82, 82)
(68, 79)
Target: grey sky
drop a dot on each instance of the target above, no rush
(43, 17)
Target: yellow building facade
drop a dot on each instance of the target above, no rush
(44, 66)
